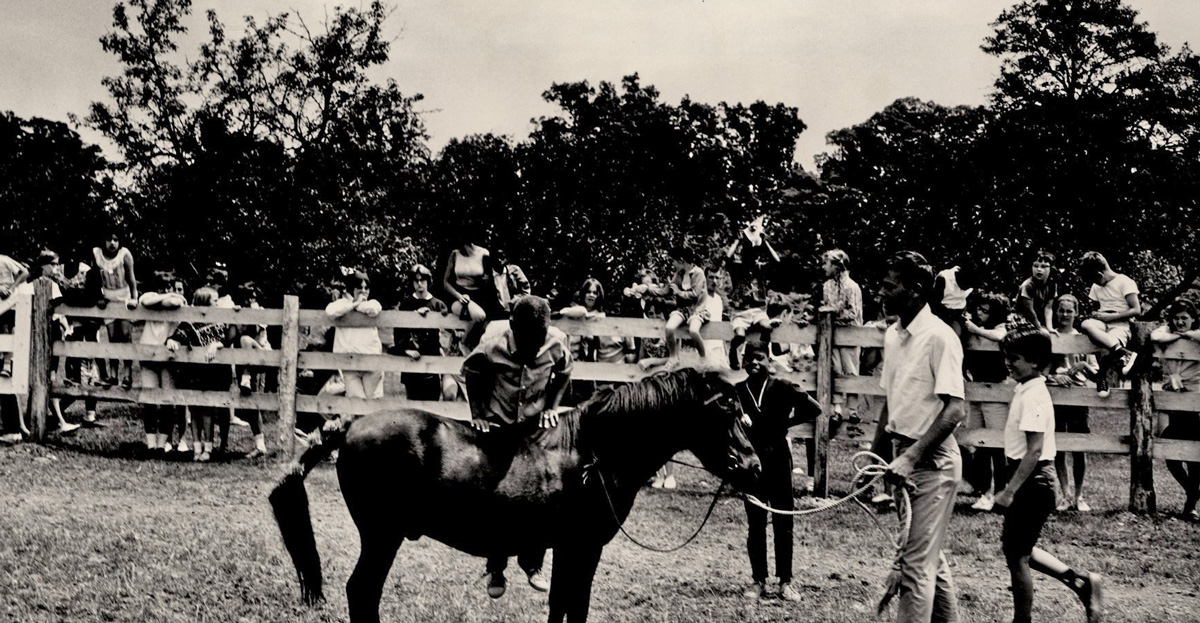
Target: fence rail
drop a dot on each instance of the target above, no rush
(32, 350)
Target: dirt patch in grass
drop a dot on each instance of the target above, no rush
(90, 531)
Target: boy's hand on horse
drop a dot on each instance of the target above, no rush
(481, 425)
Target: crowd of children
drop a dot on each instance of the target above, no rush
(482, 287)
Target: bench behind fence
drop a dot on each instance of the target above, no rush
(1141, 399)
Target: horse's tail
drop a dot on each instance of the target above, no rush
(289, 500)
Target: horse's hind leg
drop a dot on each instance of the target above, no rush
(365, 587)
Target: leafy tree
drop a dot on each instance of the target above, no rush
(53, 188)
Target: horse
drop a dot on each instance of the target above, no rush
(408, 473)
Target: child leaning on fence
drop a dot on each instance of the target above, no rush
(1071, 370)
(1181, 375)
(210, 337)
(160, 420)
(1028, 499)
(356, 298)
(842, 296)
(987, 472)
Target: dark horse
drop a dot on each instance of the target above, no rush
(409, 473)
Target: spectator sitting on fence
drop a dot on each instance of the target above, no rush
(160, 419)
(842, 296)
(772, 406)
(951, 288)
(1181, 375)
(12, 275)
(640, 302)
(1117, 297)
(510, 282)
(469, 287)
(356, 298)
(206, 376)
(512, 377)
(748, 269)
(985, 467)
(1036, 296)
(118, 284)
(1071, 370)
(415, 343)
(1028, 499)
(689, 288)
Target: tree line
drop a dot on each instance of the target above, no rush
(273, 149)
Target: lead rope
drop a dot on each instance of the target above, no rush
(621, 525)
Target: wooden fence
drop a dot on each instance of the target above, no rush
(1141, 399)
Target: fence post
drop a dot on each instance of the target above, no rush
(825, 398)
(289, 354)
(1141, 429)
(39, 359)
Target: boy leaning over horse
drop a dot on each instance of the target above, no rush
(511, 378)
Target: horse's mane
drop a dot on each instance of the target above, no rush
(652, 393)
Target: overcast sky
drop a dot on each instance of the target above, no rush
(482, 66)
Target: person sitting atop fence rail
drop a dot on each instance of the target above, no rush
(118, 284)
(1181, 375)
(513, 377)
(1117, 296)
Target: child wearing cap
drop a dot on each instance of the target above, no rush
(414, 343)
(1029, 497)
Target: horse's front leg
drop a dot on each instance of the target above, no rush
(571, 582)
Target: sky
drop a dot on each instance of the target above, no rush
(482, 66)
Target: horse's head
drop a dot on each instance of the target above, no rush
(720, 440)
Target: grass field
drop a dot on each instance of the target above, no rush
(89, 532)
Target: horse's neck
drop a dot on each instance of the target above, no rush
(631, 446)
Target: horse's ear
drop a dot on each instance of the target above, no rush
(732, 377)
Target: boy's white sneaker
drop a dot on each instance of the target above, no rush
(1128, 358)
(984, 503)
(1081, 505)
(669, 482)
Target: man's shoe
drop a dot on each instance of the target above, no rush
(496, 584)
(787, 593)
(1081, 505)
(1092, 596)
(985, 503)
(11, 438)
(756, 590)
(538, 581)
